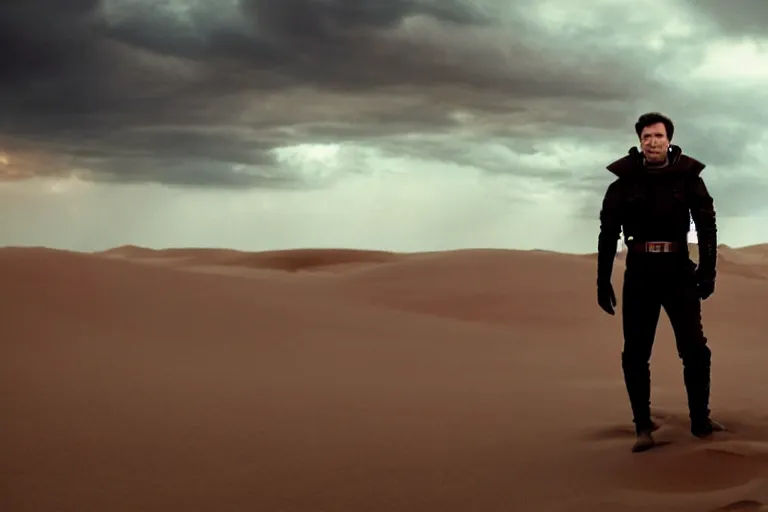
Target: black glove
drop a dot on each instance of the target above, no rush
(606, 253)
(705, 272)
(705, 283)
(606, 298)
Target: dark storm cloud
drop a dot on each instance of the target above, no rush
(197, 94)
(136, 90)
(275, 35)
(736, 17)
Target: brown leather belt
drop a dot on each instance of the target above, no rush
(655, 247)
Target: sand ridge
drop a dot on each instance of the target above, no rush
(321, 379)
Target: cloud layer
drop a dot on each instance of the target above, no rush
(304, 94)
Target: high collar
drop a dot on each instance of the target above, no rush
(632, 164)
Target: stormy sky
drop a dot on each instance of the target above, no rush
(384, 124)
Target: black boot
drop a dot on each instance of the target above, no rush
(706, 427)
(697, 377)
(645, 439)
(637, 378)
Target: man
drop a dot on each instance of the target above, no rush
(657, 192)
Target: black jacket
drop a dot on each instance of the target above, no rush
(657, 205)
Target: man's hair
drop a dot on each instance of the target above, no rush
(652, 118)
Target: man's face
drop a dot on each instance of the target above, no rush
(654, 142)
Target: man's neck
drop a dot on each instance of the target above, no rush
(655, 165)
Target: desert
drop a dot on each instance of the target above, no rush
(358, 256)
(346, 380)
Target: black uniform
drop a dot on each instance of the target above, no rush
(656, 205)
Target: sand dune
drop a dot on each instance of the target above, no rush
(339, 380)
(292, 261)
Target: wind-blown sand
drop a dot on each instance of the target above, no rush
(206, 380)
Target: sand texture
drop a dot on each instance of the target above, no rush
(338, 380)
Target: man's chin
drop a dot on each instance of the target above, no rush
(655, 157)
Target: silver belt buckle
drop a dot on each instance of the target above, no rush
(658, 247)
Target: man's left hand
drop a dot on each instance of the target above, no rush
(705, 286)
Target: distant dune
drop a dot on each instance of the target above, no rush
(290, 260)
(345, 380)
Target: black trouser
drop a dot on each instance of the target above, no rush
(653, 281)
